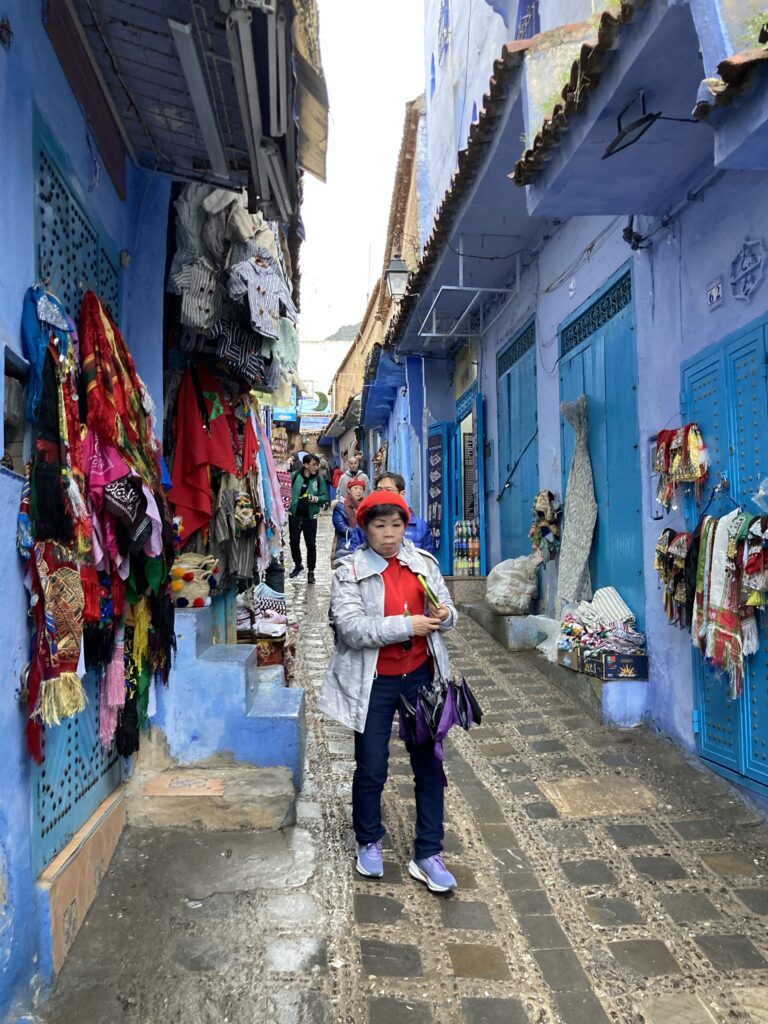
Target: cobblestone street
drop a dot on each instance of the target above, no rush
(601, 878)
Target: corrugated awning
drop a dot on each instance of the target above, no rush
(199, 89)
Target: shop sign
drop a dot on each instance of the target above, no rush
(314, 424)
(470, 476)
(316, 403)
(435, 488)
(286, 413)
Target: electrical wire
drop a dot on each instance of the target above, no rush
(474, 256)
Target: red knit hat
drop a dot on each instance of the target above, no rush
(382, 498)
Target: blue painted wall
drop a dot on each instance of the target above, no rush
(673, 323)
(30, 76)
(476, 36)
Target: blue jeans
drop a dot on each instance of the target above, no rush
(372, 759)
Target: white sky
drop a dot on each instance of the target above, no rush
(374, 63)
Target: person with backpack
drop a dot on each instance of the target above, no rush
(389, 644)
(344, 522)
(308, 495)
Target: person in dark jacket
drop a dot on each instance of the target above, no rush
(417, 531)
(344, 521)
(308, 495)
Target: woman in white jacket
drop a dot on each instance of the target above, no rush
(389, 644)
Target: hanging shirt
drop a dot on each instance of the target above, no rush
(259, 278)
(201, 294)
(402, 591)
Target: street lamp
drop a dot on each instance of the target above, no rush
(397, 277)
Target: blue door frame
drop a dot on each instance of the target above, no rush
(598, 359)
(518, 477)
(724, 389)
(440, 490)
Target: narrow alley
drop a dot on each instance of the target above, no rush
(601, 878)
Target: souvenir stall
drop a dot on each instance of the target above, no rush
(231, 336)
(599, 638)
(94, 530)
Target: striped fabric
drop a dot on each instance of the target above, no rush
(201, 294)
(259, 279)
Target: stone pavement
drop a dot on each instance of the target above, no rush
(602, 878)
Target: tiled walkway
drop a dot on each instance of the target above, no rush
(602, 878)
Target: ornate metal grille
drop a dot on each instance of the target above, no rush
(465, 403)
(599, 313)
(517, 349)
(71, 256)
(77, 774)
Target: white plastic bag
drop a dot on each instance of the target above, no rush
(551, 628)
(512, 586)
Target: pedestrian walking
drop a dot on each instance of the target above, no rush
(345, 521)
(389, 644)
(417, 531)
(308, 495)
(353, 470)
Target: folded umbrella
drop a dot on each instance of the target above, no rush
(439, 706)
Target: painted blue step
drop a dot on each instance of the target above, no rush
(220, 701)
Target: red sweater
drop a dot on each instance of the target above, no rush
(402, 594)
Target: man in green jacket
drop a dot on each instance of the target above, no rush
(308, 496)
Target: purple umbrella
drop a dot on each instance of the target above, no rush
(439, 706)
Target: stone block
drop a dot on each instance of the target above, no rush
(476, 961)
(219, 797)
(587, 798)
(513, 632)
(648, 958)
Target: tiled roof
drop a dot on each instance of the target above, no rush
(736, 74)
(469, 160)
(586, 73)
(401, 189)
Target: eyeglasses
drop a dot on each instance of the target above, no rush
(394, 490)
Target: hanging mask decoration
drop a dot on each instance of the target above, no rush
(681, 458)
(545, 530)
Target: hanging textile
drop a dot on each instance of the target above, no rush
(681, 458)
(574, 583)
(671, 562)
(204, 431)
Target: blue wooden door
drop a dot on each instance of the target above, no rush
(72, 248)
(724, 390)
(720, 731)
(598, 359)
(518, 442)
(76, 775)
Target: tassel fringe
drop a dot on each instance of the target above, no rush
(60, 698)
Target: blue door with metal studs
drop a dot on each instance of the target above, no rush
(518, 441)
(724, 390)
(598, 359)
(74, 254)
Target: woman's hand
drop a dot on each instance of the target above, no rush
(441, 614)
(423, 625)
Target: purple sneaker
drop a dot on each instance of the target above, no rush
(370, 860)
(433, 872)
